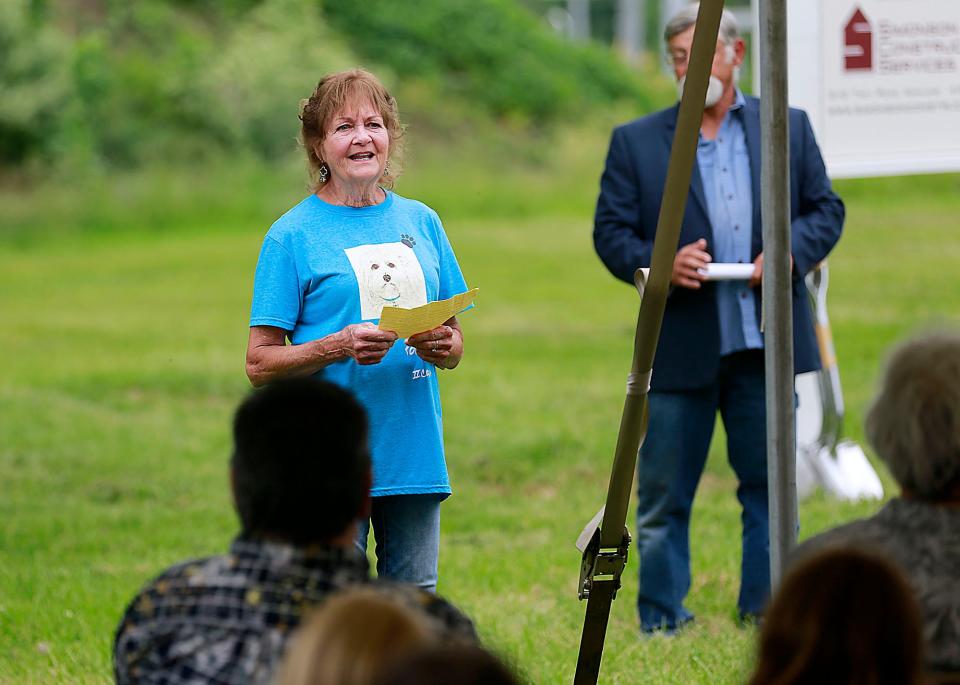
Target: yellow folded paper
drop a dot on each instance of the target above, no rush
(406, 322)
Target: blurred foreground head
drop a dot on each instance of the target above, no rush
(843, 616)
(335, 94)
(450, 663)
(300, 464)
(914, 422)
(352, 638)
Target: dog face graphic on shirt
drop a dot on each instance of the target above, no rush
(386, 282)
(388, 275)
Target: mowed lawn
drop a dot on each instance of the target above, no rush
(123, 360)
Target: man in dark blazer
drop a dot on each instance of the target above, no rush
(710, 355)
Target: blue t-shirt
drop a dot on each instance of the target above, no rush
(323, 267)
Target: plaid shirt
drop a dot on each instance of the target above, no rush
(226, 619)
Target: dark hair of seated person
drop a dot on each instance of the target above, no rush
(449, 663)
(843, 616)
(300, 465)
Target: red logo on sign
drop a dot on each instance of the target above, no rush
(857, 43)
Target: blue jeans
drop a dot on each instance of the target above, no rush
(407, 533)
(670, 464)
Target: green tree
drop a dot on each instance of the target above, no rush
(34, 79)
(494, 53)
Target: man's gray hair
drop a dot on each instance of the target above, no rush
(914, 421)
(687, 17)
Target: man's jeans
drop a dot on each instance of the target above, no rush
(407, 532)
(671, 462)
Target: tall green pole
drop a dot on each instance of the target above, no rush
(606, 554)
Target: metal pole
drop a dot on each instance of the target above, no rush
(777, 300)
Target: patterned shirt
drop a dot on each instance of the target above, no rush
(225, 620)
(924, 541)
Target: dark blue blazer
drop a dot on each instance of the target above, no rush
(631, 188)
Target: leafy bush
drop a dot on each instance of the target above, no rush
(494, 53)
(187, 81)
(135, 78)
(35, 83)
(158, 82)
(270, 61)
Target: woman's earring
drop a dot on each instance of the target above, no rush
(324, 172)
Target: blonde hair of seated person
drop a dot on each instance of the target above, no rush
(351, 638)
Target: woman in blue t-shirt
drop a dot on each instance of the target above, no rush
(326, 270)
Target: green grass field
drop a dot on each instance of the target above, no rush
(123, 360)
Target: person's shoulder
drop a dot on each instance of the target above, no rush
(798, 115)
(649, 123)
(168, 587)
(417, 213)
(445, 618)
(753, 102)
(291, 223)
(877, 532)
(160, 621)
(190, 572)
(410, 206)
(847, 534)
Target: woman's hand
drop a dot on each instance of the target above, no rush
(441, 346)
(365, 343)
(270, 358)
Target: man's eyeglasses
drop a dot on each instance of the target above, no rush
(676, 59)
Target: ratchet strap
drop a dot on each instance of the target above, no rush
(604, 548)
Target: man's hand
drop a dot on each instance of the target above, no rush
(687, 264)
(757, 276)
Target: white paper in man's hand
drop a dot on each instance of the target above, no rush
(727, 272)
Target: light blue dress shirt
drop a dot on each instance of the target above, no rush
(725, 171)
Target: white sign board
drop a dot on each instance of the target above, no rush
(880, 80)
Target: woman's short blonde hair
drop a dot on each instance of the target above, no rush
(332, 94)
(914, 421)
(351, 638)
